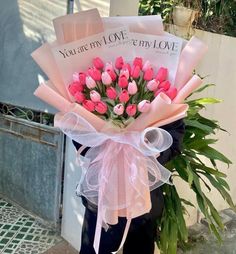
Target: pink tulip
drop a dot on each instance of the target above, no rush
(148, 74)
(109, 67)
(79, 97)
(74, 87)
(127, 66)
(89, 105)
(101, 107)
(144, 106)
(162, 74)
(111, 93)
(152, 85)
(75, 76)
(124, 72)
(165, 85)
(132, 87)
(90, 82)
(82, 78)
(79, 77)
(106, 78)
(135, 72)
(146, 65)
(131, 110)
(94, 73)
(112, 74)
(118, 109)
(172, 92)
(124, 96)
(123, 81)
(161, 90)
(95, 96)
(98, 63)
(138, 61)
(119, 62)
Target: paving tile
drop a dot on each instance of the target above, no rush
(20, 233)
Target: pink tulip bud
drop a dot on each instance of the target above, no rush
(94, 73)
(147, 65)
(82, 78)
(162, 74)
(132, 87)
(101, 107)
(144, 106)
(109, 67)
(79, 97)
(131, 110)
(75, 87)
(111, 93)
(95, 96)
(89, 105)
(119, 62)
(135, 72)
(112, 74)
(118, 109)
(158, 91)
(98, 63)
(124, 72)
(152, 85)
(148, 74)
(165, 85)
(124, 96)
(106, 78)
(172, 92)
(138, 61)
(75, 76)
(90, 82)
(127, 66)
(123, 81)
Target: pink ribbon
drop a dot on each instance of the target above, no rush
(119, 170)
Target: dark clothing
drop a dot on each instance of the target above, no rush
(142, 231)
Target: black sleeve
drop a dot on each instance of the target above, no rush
(176, 130)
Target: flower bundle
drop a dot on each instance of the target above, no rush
(116, 105)
(122, 91)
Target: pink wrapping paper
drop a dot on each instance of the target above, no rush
(190, 57)
(44, 58)
(136, 24)
(186, 90)
(76, 26)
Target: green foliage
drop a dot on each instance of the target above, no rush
(190, 166)
(218, 16)
(154, 7)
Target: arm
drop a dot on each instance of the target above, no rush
(176, 130)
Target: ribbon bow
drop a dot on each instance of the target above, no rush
(119, 170)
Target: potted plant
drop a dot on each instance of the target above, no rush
(185, 12)
(190, 166)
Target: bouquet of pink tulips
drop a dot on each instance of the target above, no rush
(115, 104)
(121, 91)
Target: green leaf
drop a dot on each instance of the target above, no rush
(203, 88)
(199, 125)
(204, 101)
(212, 153)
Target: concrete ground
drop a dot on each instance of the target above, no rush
(62, 248)
(207, 243)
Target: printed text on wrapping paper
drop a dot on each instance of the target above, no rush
(105, 40)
